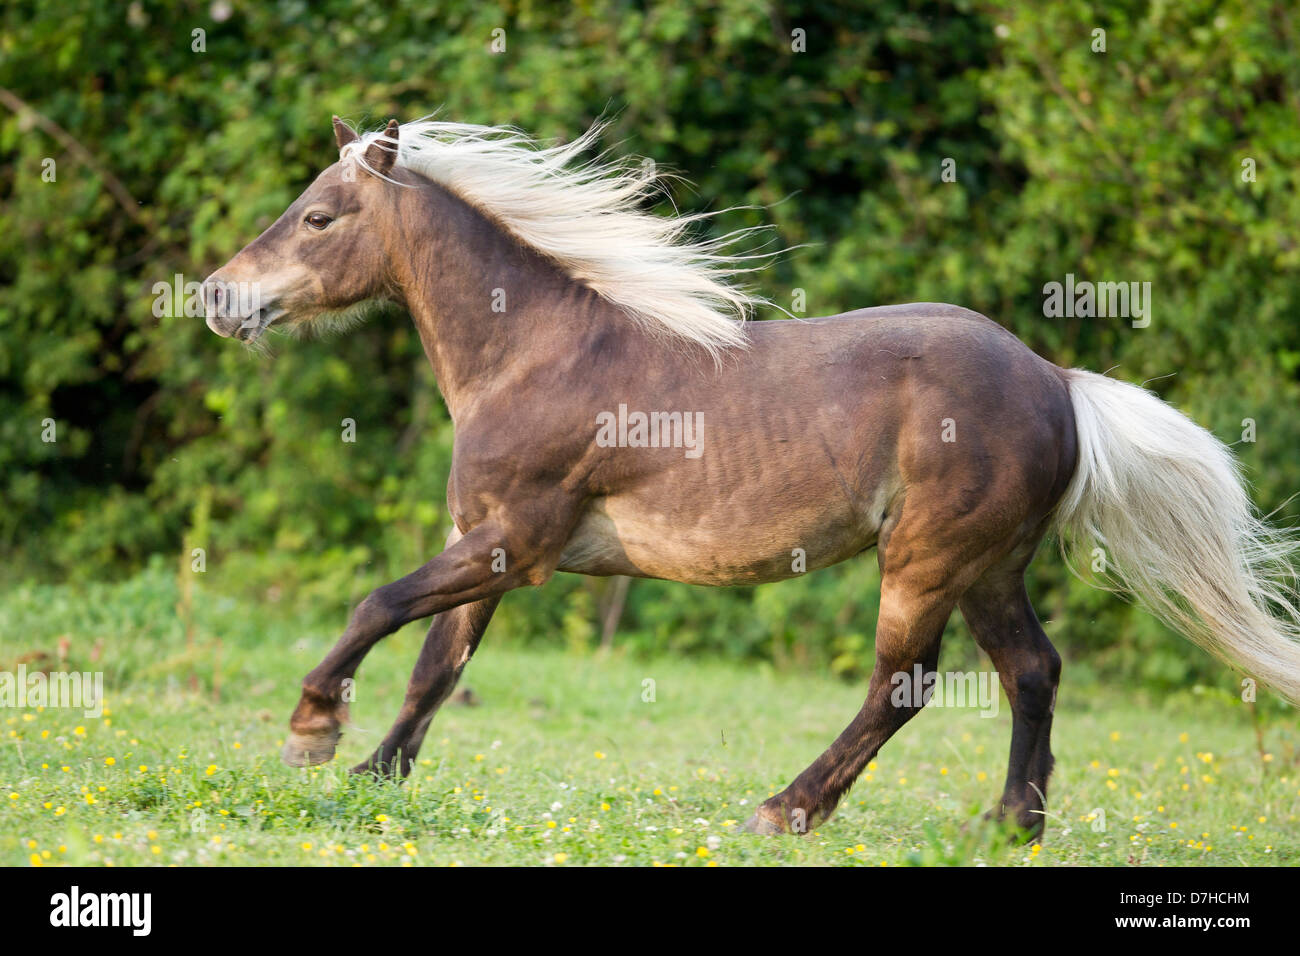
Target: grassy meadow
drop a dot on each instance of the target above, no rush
(901, 151)
(561, 762)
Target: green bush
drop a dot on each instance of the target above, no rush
(1124, 165)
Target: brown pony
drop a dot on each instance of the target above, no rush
(614, 417)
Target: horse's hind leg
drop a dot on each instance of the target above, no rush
(1003, 622)
(452, 639)
(914, 606)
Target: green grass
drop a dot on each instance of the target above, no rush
(563, 763)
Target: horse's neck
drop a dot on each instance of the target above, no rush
(488, 309)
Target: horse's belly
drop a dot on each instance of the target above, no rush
(724, 547)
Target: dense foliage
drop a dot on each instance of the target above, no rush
(1172, 158)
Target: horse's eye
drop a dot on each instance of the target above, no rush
(318, 220)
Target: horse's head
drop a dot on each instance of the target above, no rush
(325, 254)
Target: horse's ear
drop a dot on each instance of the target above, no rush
(343, 133)
(382, 153)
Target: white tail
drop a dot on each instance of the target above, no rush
(1165, 500)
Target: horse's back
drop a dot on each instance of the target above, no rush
(914, 321)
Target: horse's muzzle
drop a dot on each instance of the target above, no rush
(232, 312)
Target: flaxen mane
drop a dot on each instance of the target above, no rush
(590, 217)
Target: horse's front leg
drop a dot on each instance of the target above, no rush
(492, 558)
(453, 637)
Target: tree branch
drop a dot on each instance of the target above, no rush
(83, 155)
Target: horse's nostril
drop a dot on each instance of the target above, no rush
(214, 298)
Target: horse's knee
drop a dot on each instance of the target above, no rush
(376, 614)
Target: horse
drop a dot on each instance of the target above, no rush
(615, 414)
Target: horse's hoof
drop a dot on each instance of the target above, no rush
(1012, 830)
(764, 822)
(302, 750)
(379, 771)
